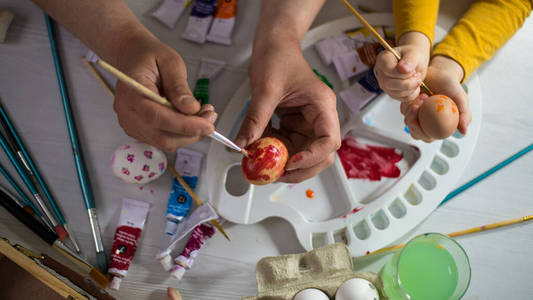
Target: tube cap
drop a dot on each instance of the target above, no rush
(166, 262)
(115, 283)
(178, 272)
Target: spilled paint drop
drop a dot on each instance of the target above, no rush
(368, 162)
(310, 194)
(353, 211)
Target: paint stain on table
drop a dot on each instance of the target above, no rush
(310, 194)
(361, 161)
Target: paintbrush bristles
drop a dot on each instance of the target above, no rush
(380, 39)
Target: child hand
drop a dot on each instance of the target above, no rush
(401, 79)
(159, 68)
(443, 77)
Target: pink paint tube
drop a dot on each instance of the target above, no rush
(223, 23)
(130, 225)
(200, 235)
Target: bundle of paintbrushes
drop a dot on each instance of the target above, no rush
(50, 215)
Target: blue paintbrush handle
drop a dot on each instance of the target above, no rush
(17, 188)
(11, 155)
(487, 173)
(9, 128)
(84, 181)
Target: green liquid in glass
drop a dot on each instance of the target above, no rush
(426, 271)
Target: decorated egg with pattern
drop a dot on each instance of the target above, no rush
(138, 162)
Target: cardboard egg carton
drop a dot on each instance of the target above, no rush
(326, 268)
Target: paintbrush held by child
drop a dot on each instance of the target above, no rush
(483, 29)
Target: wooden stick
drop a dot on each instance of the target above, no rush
(381, 40)
(38, 272)
(134, 84)
(462, 232)
(97, 76)
(194, 197)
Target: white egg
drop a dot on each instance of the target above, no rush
(138, 163)
(311, 294)
(357, 289)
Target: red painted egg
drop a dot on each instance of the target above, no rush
(266, 162)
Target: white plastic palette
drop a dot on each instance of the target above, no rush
(389, 208)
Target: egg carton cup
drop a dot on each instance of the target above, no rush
(326, 268)
(366, 215)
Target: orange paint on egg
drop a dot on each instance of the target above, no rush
(454, 110)
(310, 194)
(440, 107)
(438, 101)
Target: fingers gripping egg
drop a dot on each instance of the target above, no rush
(357, 289)
(438, 116)
(266, 162)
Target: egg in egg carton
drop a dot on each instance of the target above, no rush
(366, 215)
(325, 269)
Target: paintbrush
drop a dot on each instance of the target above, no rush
(24, 157)
(33, 190)
(49, 237)
(26, 202)
(461, 233)
(379, 38)
(194, 196)
(81, 169)
(158, 99)
(486, 174)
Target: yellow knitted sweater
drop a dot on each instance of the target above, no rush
(483, 29)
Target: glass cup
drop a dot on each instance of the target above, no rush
(430, 266)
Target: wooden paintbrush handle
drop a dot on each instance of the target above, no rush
(84, 283)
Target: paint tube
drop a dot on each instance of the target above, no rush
(199, 237)
(209, 69)
(223, 23)
(329, 48)
(200, 215)
(189, 165)
(349, 64)
(170, 11)
(199, 20)
(130, 225)
(361, 93)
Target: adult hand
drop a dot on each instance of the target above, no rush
(159, 68)
(401, 79)
(283, 83)
(443, 77)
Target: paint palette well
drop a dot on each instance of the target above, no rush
(364, 214)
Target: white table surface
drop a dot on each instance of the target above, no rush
(501, 259)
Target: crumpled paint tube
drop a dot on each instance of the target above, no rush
(357, 96)
(223, 23)
(199, 237)
(170, 11)
(198, 24)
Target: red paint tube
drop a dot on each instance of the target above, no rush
(200, 235)
(130, 225)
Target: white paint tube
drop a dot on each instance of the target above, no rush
(223, 23)
(361, 93)
(198, 24)
(170, 11)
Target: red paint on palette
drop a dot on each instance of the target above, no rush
(362, 161)
(353, 211)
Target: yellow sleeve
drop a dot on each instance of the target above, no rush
(415, 15)
(483, 29)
